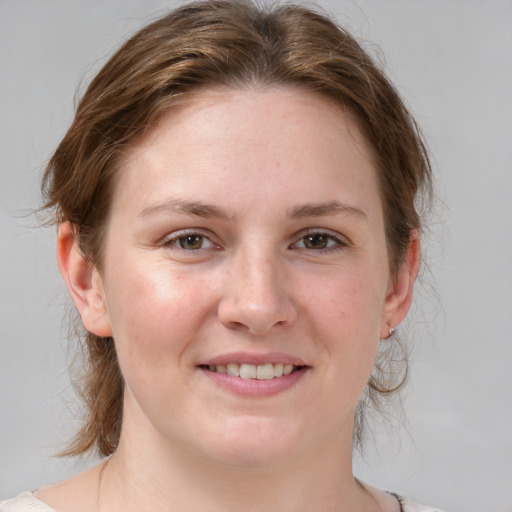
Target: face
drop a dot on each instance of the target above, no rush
(246, 280)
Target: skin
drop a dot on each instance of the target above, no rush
(254, 277)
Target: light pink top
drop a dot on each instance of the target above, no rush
(27, 502)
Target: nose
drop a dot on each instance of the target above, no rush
(257, 296)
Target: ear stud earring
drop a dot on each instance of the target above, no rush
(392, 331)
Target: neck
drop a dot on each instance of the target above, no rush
(153, 475)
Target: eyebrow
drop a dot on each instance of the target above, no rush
(185, 207)
(210, 211)
(323, 209)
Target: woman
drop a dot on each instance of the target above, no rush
(238, 231)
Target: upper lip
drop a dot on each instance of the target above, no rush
(253, 358)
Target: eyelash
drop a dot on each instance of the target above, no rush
(174, 242)
(334, 243)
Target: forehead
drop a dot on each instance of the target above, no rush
(252, 111)
(270, 139)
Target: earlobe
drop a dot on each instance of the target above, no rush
(399, 297)
(83, 282)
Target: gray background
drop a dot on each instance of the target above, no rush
(452, 61)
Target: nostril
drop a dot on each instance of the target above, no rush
(254, 327)
(238, 326)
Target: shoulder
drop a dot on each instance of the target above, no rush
(410, 506)
(25, 502)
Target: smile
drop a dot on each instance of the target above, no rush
(252, 371)
(255, 375)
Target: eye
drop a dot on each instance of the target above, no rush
(190, 242)
(319, 241)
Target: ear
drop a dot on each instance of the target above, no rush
(400, 291)
(83, 282)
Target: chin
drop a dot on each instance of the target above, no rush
(250, 444)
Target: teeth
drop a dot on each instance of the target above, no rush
(251, 371)
(248, 371)
(265, 372)
(233, 369)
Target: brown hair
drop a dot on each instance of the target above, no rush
(236, 44)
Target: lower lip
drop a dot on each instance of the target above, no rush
(255, 387)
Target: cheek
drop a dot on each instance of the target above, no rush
(347, 323)
(350, 303)
(153, 310)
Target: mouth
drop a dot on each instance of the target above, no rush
(252, 375)
(266, 371)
